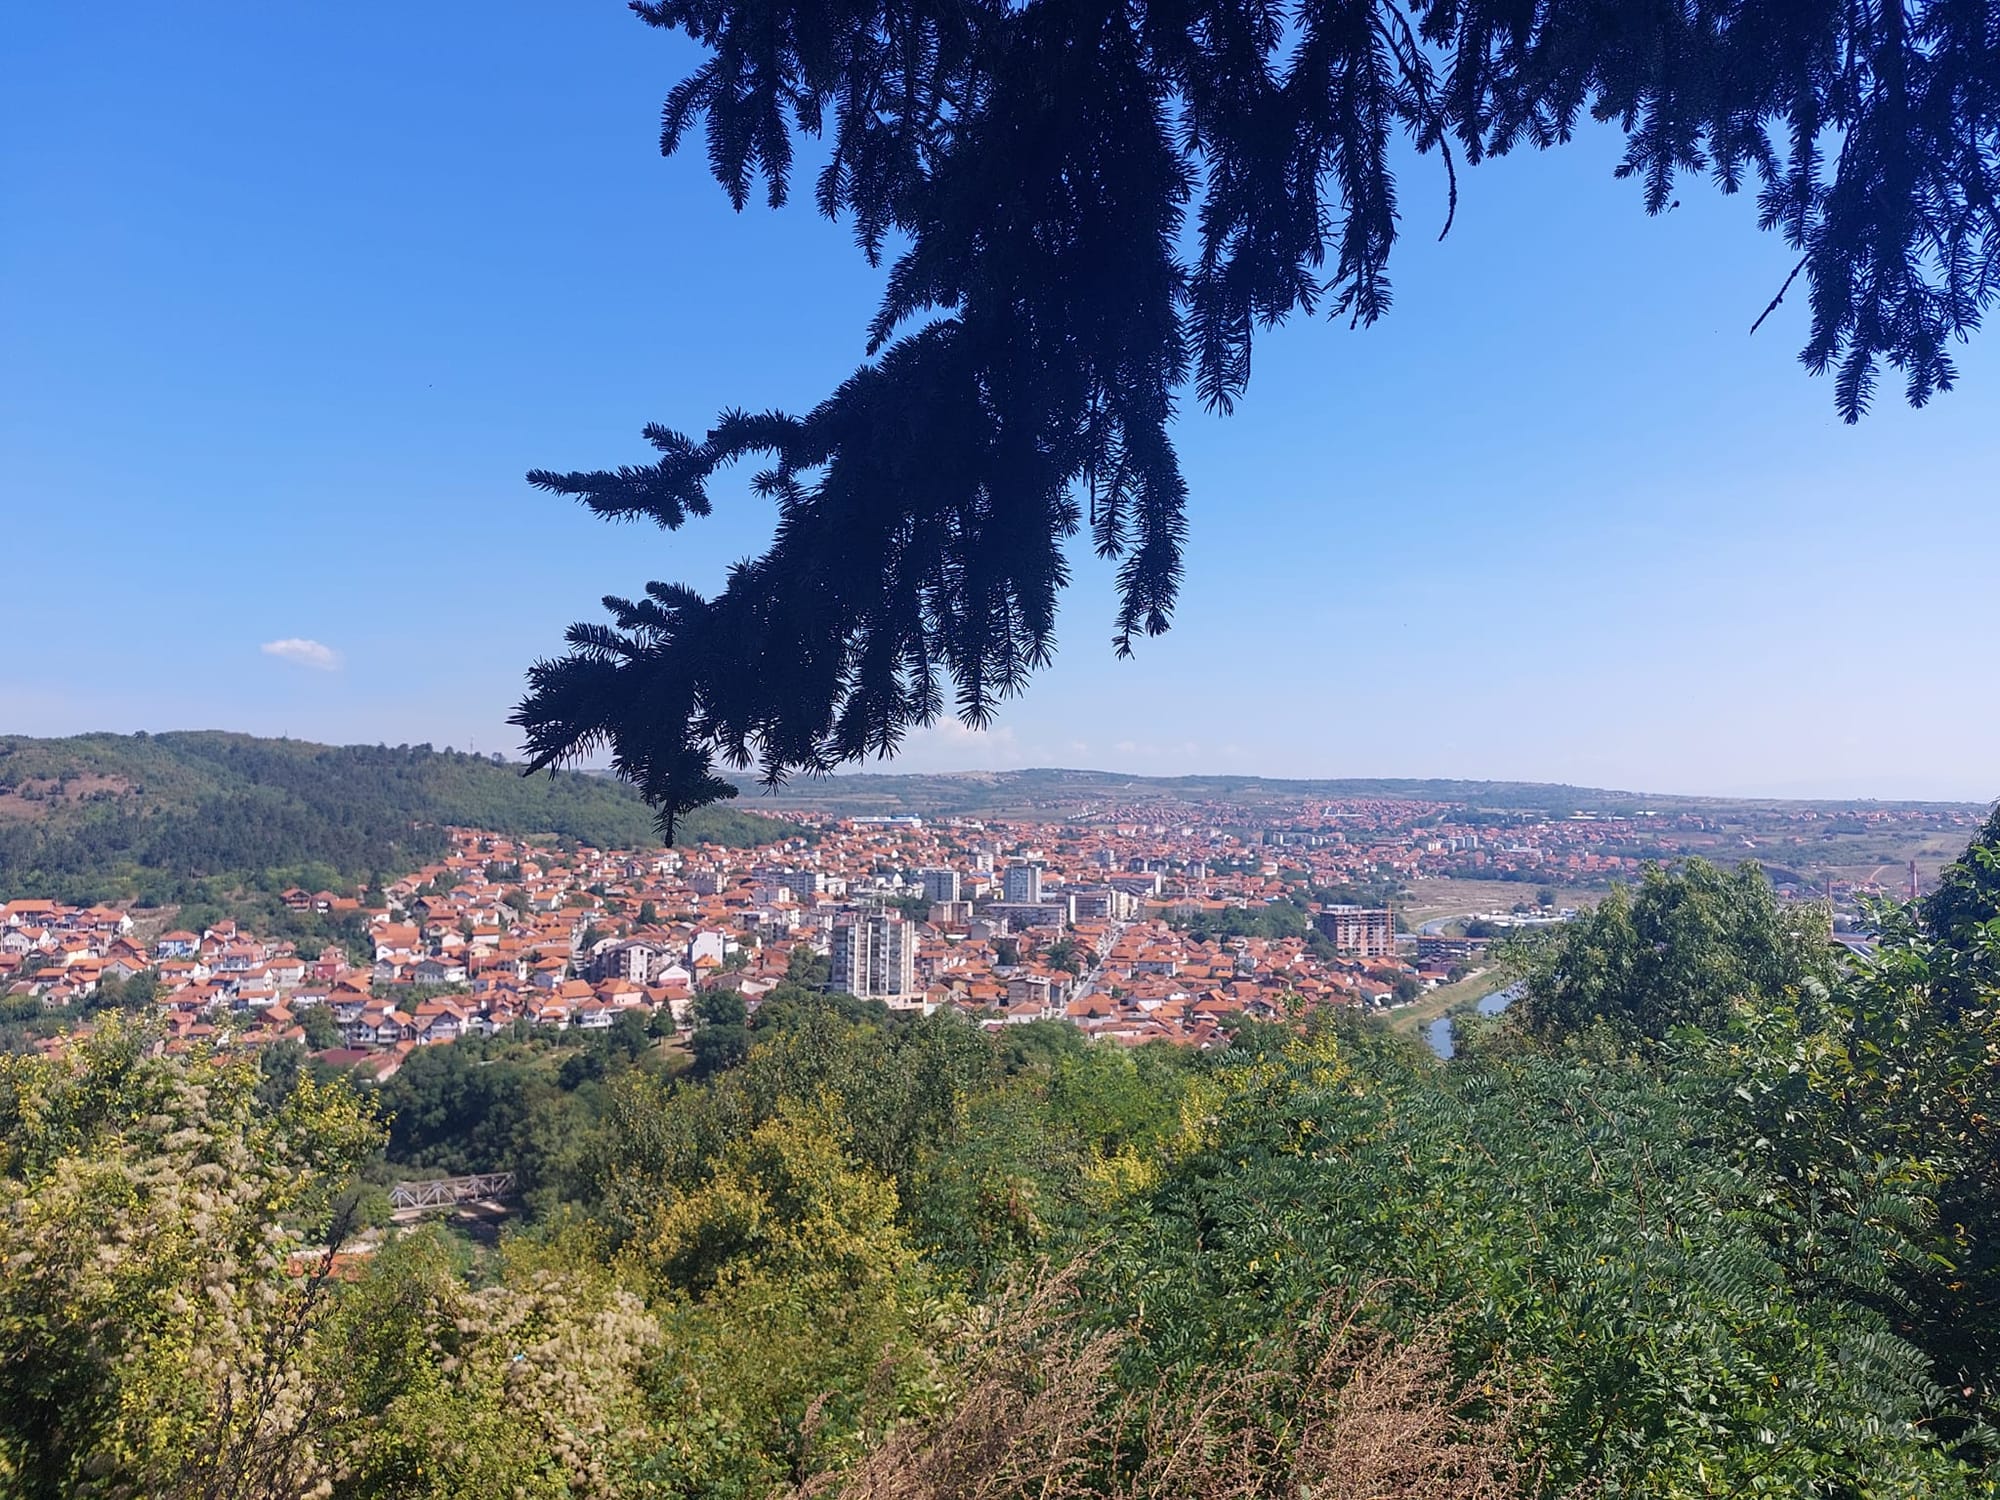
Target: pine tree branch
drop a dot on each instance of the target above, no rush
(1772, 306)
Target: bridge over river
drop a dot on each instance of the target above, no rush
(449, 1192)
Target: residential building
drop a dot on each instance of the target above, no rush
(1019, 914)
(1105, 903)
(875, 957)
(803, 884)
(1359, 931)
(1449, 949)
(1023, 885)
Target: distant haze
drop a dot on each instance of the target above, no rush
(1000, 791)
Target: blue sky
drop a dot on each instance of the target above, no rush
(291, 297)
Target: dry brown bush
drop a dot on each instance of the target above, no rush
(1347, 1413)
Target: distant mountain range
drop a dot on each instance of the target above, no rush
(1045, 792)
(183, 815)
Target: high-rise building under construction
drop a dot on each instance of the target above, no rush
(1359, 931)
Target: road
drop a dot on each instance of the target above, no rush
(1086, 982)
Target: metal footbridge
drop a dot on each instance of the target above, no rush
(449, 1192)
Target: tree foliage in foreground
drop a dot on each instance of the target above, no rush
(1752, 1259)
(1687, 947)
(1600, 1249)
(1961, 915)
(1711, 1217)
(1867, 1096)
(1092, 206)
(153, 1329)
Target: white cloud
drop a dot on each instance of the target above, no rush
(306, 653)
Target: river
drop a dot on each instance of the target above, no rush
(1438, 1032)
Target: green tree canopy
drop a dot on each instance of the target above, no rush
(1734, 1265)
(150, 1334)
(806, 968)
(1963, 915)
(1682, 950)
(209, 818)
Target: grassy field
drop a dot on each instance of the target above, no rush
(1877, 861)
(1845, 850)
(1430, 899)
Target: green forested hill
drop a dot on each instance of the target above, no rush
(178, 816)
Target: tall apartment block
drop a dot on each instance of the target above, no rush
(1024, 885)
(875, 957)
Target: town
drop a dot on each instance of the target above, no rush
(1163, 921)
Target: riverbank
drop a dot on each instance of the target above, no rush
(1446, 998)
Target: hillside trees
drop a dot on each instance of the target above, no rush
(1926, 1041)
(1573, 1217)
(1874, 1108)
(722, 1034)
(460, 1111)
(222, 817)
(794, 1300)
(1961, 916)
(806, 968)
